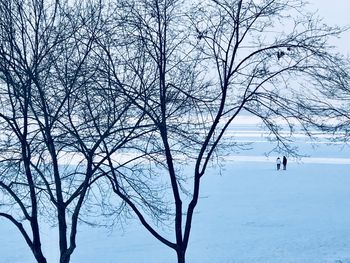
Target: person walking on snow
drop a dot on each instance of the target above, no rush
(278, 162)
(284, 162)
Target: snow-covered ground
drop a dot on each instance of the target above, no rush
(247, 213)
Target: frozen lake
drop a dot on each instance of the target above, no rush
(248, 212)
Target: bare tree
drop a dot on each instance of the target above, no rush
(60, 121)
(26, 40)
(192, 69)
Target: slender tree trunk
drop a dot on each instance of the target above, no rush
(62, 229)
(39, 255)
(65, 259)
(181, 252)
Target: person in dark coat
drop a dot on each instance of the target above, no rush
(284, 162)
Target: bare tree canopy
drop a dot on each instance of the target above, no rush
(192, 68)
(60, 121)
(134, 97)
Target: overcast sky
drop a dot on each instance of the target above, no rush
(335, 12)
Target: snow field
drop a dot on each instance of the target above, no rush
(248, 213)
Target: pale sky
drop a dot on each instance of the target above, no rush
(335, 12)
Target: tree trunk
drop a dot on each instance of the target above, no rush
(181, 255)
(39, 256)
(65, 259)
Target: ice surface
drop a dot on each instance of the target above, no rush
(248, 213)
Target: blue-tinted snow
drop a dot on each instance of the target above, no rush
(248, 212)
